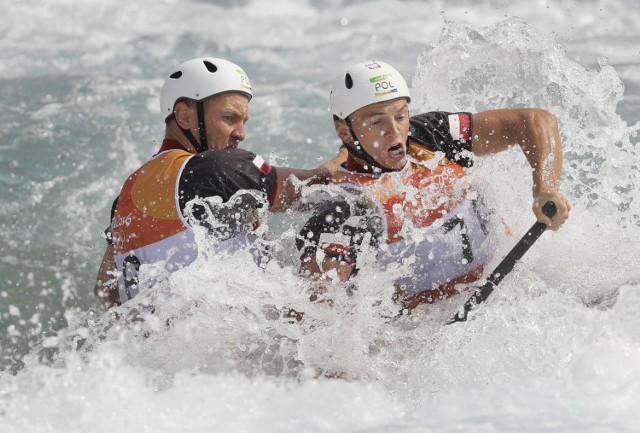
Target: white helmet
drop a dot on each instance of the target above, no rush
(200, 78)
(366, 83)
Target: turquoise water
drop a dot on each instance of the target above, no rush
(558, 345)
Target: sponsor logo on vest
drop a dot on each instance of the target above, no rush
(121, 221)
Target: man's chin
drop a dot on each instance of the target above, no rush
(395, 163)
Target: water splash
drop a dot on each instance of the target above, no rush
(220, 354)
(514, 64)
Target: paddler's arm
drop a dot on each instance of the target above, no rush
(310, 268)
(331, 271)
(288, 181)
(106, 289)
(536, 132)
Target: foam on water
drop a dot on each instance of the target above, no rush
(556, 348)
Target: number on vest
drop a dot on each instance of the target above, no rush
(467, 253)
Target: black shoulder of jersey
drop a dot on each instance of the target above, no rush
(432, 131)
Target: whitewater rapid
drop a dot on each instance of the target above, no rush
(557, 347)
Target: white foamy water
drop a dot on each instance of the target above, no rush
(557, 347)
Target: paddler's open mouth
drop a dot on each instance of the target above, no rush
(396, 151)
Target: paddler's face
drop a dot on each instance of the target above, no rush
(225, 117)
(382, 130)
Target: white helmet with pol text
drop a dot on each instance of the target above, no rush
(364, 84)
(200, 78)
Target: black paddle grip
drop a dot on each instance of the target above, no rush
(549, 209)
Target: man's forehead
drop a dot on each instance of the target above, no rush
(385, 107)
(231, 100)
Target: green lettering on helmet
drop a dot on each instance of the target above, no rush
(379, 78)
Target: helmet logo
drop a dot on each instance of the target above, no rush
(383, 85)
(373, 65)
(244, 79)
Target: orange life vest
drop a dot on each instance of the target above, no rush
(430, 220)
(422, 192)
(148, 225)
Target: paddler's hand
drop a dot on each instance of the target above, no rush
(563, 205)
(333, 164)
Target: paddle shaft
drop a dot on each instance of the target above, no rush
(506, 265)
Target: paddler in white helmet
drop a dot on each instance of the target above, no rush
(414, 203)
(205, 105)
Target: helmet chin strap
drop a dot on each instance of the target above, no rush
(358, 151)
(202, 145)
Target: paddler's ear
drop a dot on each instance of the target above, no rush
(343, 130)
(184, 114)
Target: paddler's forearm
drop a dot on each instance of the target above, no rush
(543, 150)
(289, 181)
(545, 158)
(534, 130)
(105, 289)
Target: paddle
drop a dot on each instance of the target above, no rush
(506, 265)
